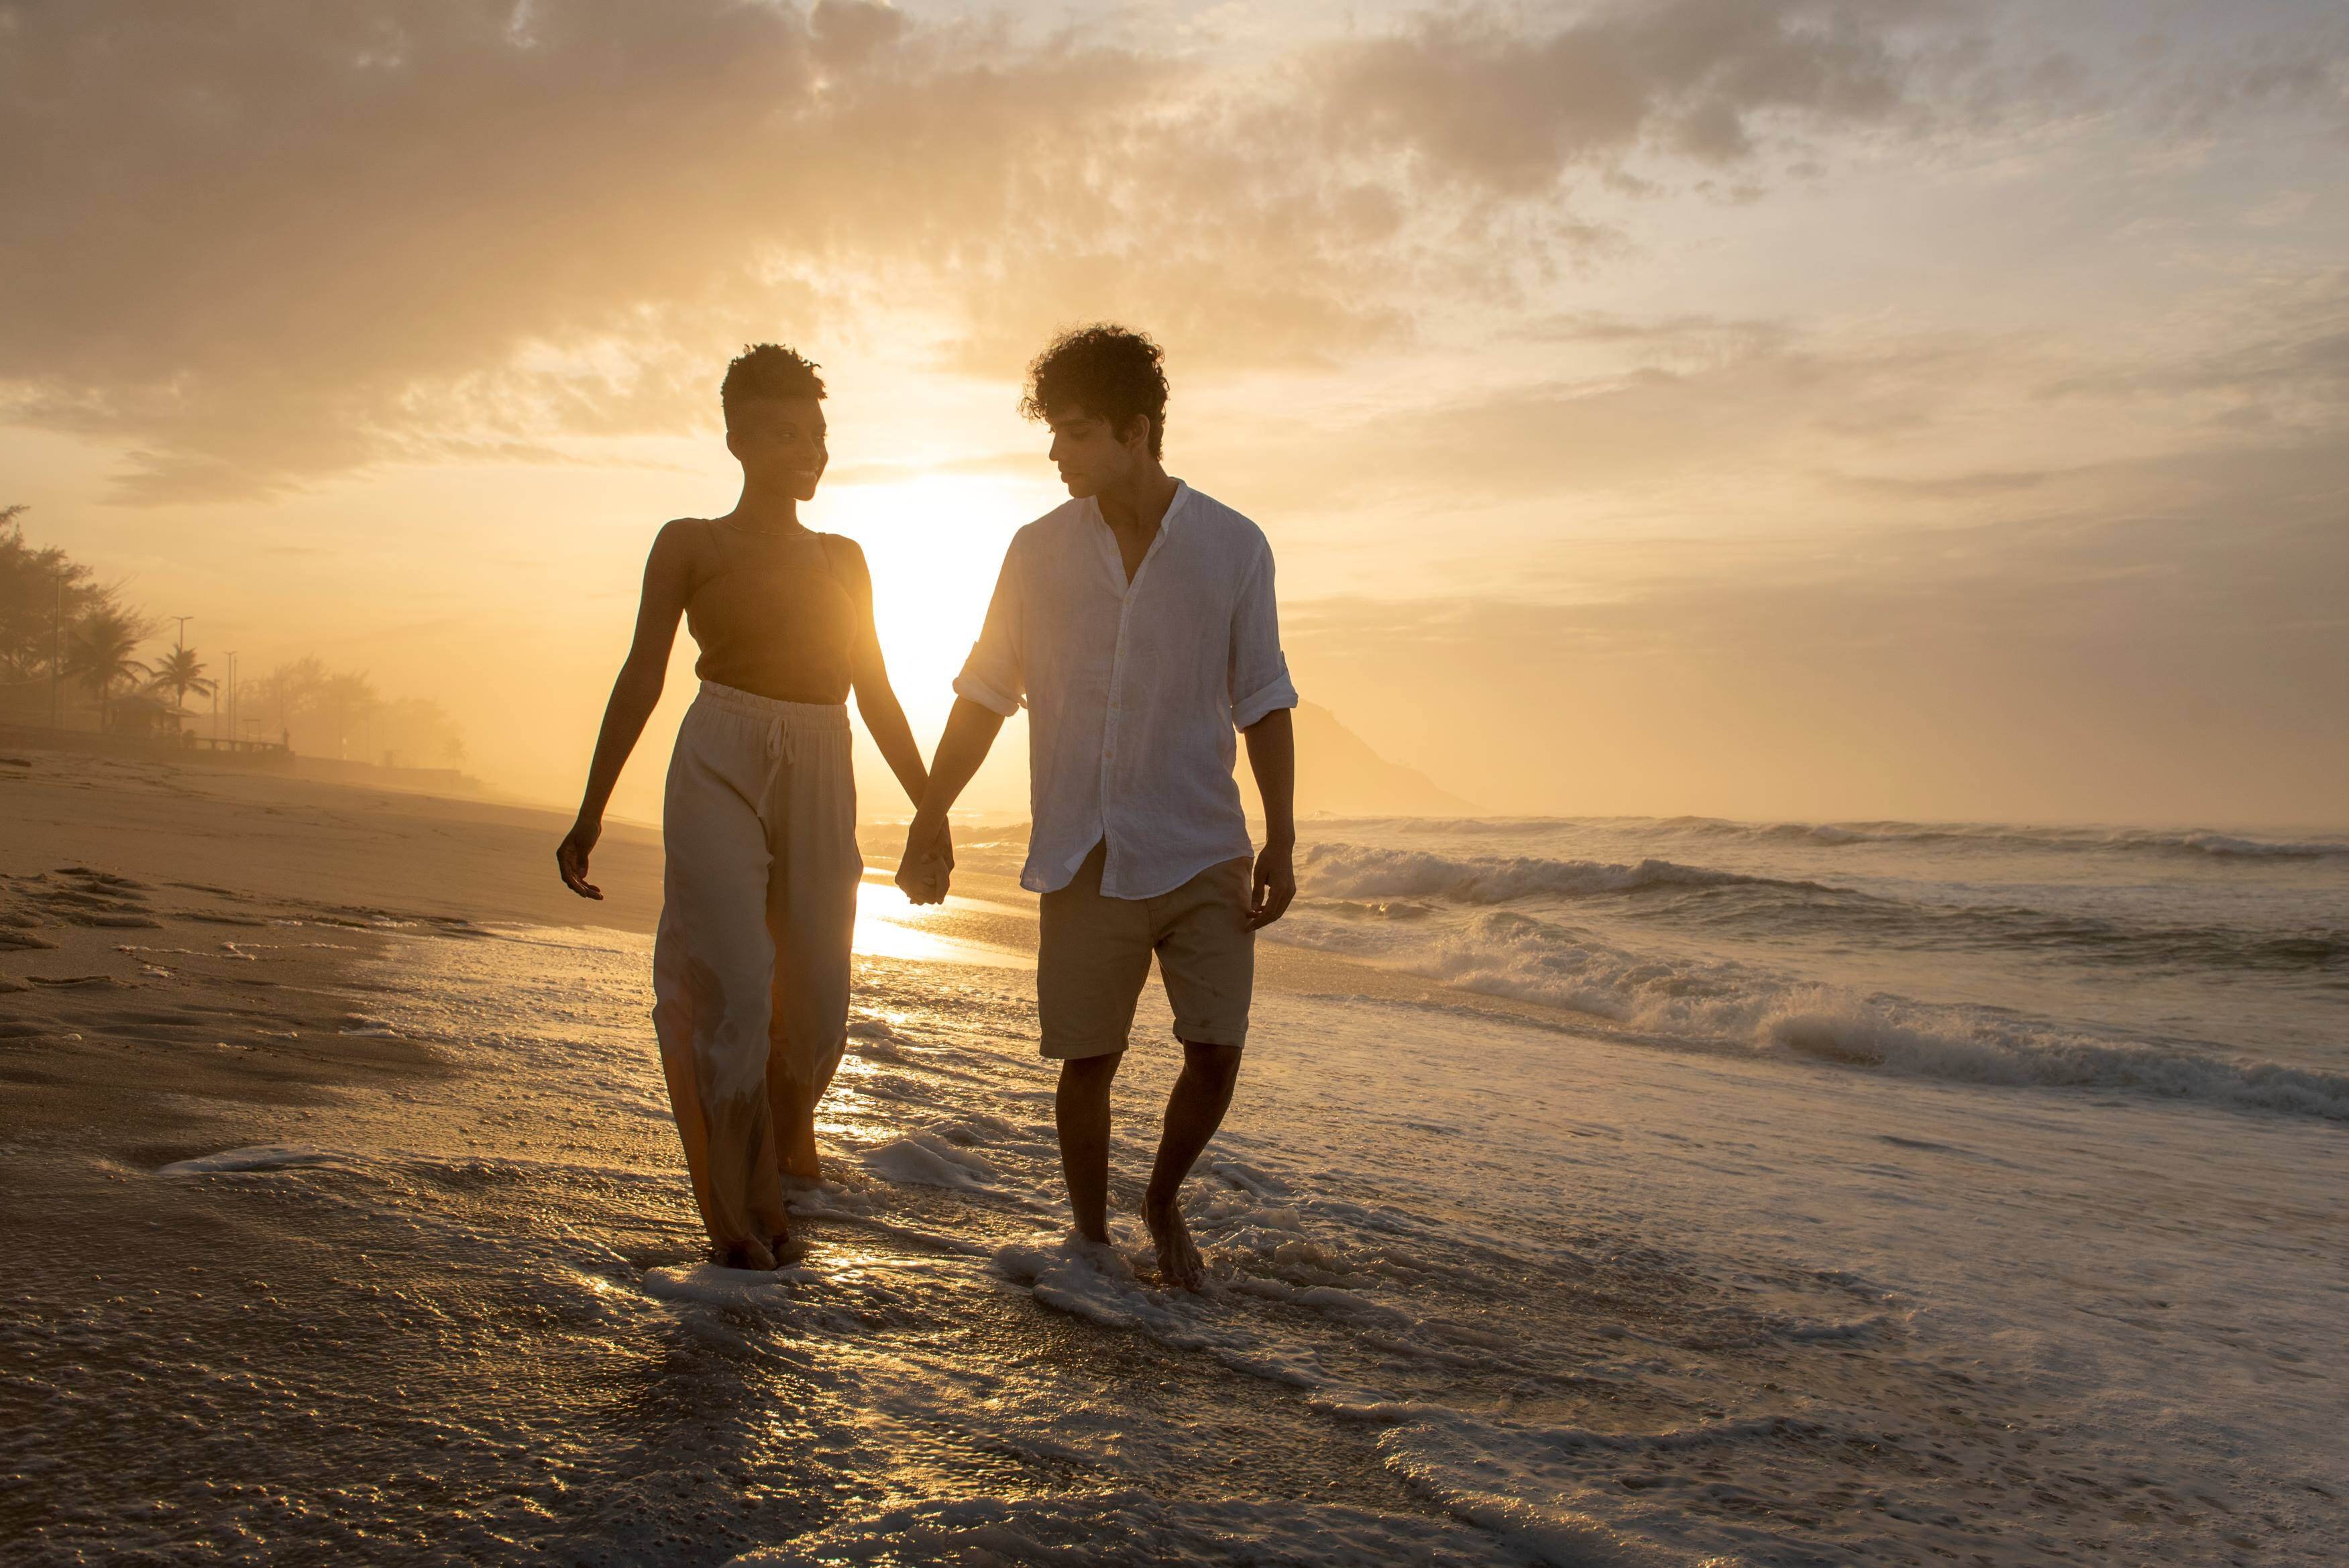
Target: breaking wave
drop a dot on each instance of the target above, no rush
(2003, 836)
(1721, 1005)
(2191, 841)
(1398, 884)
(1358, 870)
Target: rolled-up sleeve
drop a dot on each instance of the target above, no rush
(994, 677)
(1259, 672)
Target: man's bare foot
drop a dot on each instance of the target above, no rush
(1179, 1264)
(788, 1248)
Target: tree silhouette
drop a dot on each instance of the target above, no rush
(99, 654)
(38, 585)
(180, 672)
(346, 702)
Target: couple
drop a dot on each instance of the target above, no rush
(1137, 624)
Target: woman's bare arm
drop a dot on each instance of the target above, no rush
(970, 731)
(669, 572)
(876, 700)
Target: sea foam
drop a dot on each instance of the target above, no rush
(1344, 869)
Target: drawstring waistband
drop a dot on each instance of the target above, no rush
(785, 721)
(793, 715)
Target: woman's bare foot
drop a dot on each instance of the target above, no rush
(788, 1248)
(792, 1105)
(746, 1255)
(1179, 1264)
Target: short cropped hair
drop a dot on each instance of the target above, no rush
(764, 371)
(1110, 372)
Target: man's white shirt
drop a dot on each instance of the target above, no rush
(1134, 690)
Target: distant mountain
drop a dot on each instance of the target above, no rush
(1338, 775)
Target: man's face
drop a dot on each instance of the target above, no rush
(1089, 454)
(780, 441)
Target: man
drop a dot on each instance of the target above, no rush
(1137, 624)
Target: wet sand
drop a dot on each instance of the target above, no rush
(346, 1223)
(177, 942)
(301, 1276)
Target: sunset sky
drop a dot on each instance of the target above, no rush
(1752, 408)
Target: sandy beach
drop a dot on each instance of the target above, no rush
(347, 1224)
(181, 941)
(1758, 586)
(200, 976)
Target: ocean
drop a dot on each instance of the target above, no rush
(2203, 965)
(1610, 1192)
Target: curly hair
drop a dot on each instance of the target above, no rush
(767, 370)
(1112, 373)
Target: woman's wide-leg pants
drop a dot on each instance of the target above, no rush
(750, 965)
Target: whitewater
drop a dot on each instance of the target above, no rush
(2197, 965)
(1608, 1193)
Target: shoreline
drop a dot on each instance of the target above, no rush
(176, 942)
(353, 1225)
(182, 949)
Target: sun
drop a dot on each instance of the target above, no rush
(935, 543)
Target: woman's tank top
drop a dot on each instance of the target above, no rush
(774, 618)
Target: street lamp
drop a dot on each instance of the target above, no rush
(57, 660)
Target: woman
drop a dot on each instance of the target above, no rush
(750, 965)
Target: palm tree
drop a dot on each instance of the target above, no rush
(180, 672)
(98, 655)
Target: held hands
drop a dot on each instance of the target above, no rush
(1274, 884)
(571, 857)
(925, 869)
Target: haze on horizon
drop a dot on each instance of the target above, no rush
(1765, 408)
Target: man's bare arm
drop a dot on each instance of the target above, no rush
(1272, 758)
(971, 729)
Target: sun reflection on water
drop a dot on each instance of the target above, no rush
(891, 925)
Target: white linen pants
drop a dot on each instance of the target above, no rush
(750, 964)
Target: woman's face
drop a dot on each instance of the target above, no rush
(780, 441)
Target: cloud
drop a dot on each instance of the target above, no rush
(1480, 96)
(2289, 59)
(269, 242)
(2299, 362)
(1724, 411)
(257, 244)
(2276, 358)
(266, 243)
(2164, 666)
(1953, 487)
(1701, 425)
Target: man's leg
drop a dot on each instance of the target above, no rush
(1207, 955)
(1081, 1109)
(1092, 958)
(1203, 1092)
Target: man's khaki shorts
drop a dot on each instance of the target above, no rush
(1094, 958)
